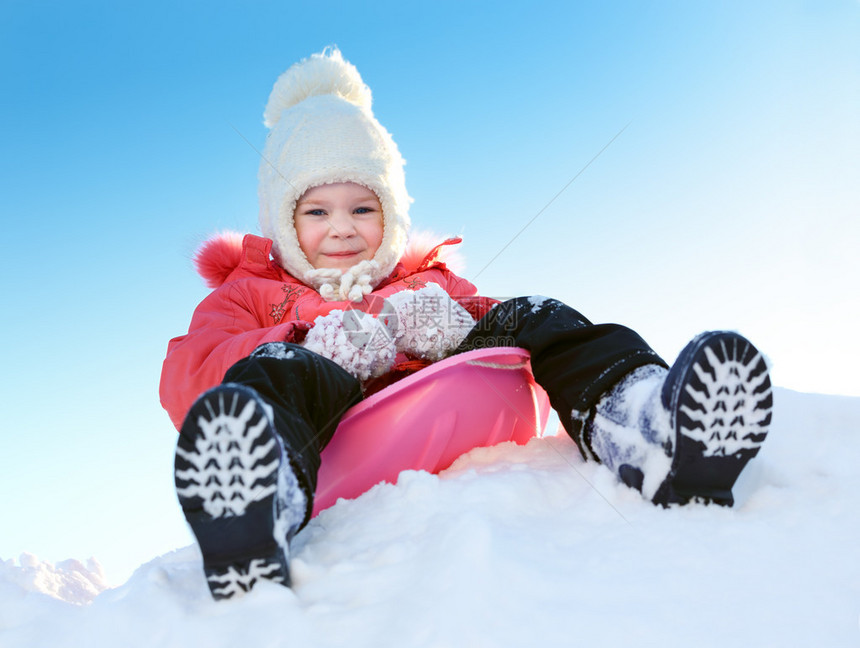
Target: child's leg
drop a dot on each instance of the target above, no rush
(575, 361)
(309, 394)
(674, 435)
(247, 461)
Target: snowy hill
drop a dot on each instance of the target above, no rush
(515, 546)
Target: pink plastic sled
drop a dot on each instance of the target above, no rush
(426, 420)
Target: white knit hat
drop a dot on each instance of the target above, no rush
(323, 131)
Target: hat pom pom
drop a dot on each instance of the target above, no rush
(320, 74)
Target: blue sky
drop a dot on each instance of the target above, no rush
(728, 198)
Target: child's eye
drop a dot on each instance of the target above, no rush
(364, 210)
(315, 212)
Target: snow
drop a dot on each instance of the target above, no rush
(537, 302)
(71, 580)
(515, 546)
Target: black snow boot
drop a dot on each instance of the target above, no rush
(686, 434)
(237, 490)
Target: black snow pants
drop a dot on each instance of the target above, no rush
(574, 360)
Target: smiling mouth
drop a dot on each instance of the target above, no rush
(348, 253)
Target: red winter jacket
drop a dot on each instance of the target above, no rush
(257, 301)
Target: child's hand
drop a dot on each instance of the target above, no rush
(356, 341)
(430, 324)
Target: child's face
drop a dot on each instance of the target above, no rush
(338, 225)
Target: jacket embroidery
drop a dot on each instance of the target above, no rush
(291, 293)
(416, 283)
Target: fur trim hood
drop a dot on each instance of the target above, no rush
(323, 131)
(223, 253)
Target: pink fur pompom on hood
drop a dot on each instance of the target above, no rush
(419, 245)
(221, 254)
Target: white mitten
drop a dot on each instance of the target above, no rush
(430, 324)
(356, 341)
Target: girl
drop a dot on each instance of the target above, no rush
(328, 307)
